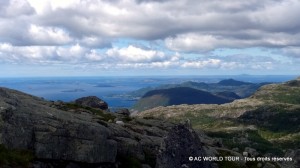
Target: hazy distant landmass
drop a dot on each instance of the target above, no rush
(74, 90)
(104, 85)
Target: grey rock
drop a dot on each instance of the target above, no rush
(76, 137)
(123, 111)
(92, 101)
(120, 123)
(180, 143)
(27, 122)
(146, 166)
(295, 155)
(269, 165)
(130, 147)
(251, 152)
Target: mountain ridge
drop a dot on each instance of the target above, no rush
(178, 95)
(268, 121)
(242, 89)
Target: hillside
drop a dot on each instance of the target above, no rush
(179, 95)
(232, 82)
(268, 121)
(242, 89)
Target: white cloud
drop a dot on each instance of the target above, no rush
(135, 54)
(191, 42)
(41, 54)
(184, 25)
(48, 35)
(77, 53)
(292, 52)
(211, 63)
(94, 56)
(280, 16)
(15, 8)
(89, 32)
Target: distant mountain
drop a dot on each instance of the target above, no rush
(228, 95)
(240, 88)
(232, 82)
(179, 95)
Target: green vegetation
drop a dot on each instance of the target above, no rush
(280, 94)
(150, 102)
(15, 158)
(129, 161)
(176, 96)
(243, 89)
(226, 164)
(243, 139)
(72, 106)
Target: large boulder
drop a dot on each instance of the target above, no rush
(180, 144)
(92, 101)
(123, 111)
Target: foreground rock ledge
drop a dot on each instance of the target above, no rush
(78, 138)
(28, 123)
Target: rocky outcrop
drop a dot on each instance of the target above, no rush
(28, 122)
(123, 111)
(92, 101)
(71, 135)
(180, 144)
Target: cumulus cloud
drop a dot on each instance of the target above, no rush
(40, 54)
(15, 8)
(202, 64)
(135, 54)
(87, 31)
(130, 55)
(196, 25)
(48, 35)
(195, 42)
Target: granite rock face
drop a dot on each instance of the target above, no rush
(92, 101)
(180, 144)
(67, 135)
(27, 122)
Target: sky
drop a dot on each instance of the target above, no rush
(149, 37)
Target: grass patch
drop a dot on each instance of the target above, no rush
(226, 164)
(282, 94)
(14, 157)
(104, 115)
(232, 140)
(275, 118)
(128, 161)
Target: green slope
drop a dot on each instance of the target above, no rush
(268, 121)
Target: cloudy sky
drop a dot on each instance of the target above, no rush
(149, 37)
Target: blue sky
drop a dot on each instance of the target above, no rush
(149, 37)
